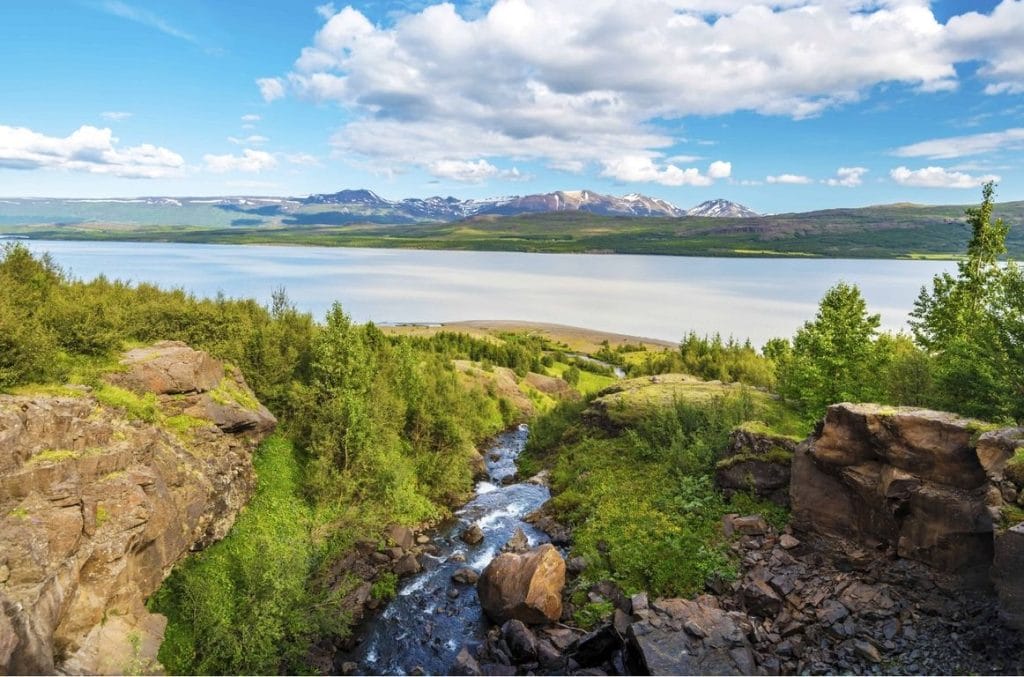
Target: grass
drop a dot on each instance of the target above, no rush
(183, 425)
(642, 502)
(243, 604)
(102, 515)
(777, 455)
(385, 587)
(228, 392)
(589, 382)
(52, 456)
(137, 407)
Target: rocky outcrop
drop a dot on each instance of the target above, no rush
(100, 498)
(525, 587)
(757, 460)
(905, 481)
(684, 637)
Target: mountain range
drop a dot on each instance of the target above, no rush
(450, 208)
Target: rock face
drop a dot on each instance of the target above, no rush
(525, 587)
(756, 461)
(712, 641)
(908, 481)
(96, 508)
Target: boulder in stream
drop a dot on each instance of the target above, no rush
(473, 535)
(527, 587)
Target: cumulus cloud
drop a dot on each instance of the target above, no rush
(638, 168)
(471, 172)
(115, 115)
(720, 170)
(249, 161)
(961, 146)
(87, 149)
(250, 117)
(792, 179)
(847, 177)
(938, 177)
(271, 89)
(995, 39)
(558, 89)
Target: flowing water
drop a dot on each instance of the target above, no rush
(422, 627)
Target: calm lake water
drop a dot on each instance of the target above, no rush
(653, 296)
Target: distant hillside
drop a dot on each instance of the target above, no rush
(884, 231)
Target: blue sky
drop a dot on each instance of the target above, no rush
(785, 105)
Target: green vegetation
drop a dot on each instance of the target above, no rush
(53, 456)
(885, 231)
(642, 501)
(378, 429)
(385, 587)
(973, 324)
(244, 605)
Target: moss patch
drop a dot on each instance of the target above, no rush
(228, 392)
(777, 455)
(52, 456)
(135, 406)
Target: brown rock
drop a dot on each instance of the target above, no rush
(526, 587)
(466, 576)
(1006, 574)
(408, 564)
(473, 535)
(518, 543)
(902, 480)
(751, 525)
(169, 368)
(401, 536)
(788, 542)
(96, 509)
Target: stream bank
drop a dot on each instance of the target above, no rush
(432, 617)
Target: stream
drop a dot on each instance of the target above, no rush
(423, 627)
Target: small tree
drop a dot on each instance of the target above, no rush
(833, 358)
(970, 324)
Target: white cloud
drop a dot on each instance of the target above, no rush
(271, 89)
(848, 177)
(637, 168)
(720, 170)
(251, 140)
(115, 115)
(791, 179)
(326, 10)
(471, 172)
(938, 177)
(249, 161)
(558, 88)
(251, 117)
(87, 149)
(960, 146)
(996, 40)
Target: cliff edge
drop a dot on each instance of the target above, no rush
(102, 491)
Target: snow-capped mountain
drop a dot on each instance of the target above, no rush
(721, 208)
(450, 208)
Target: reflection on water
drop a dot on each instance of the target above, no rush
(655, 296)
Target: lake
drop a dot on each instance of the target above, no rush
(653, 296)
